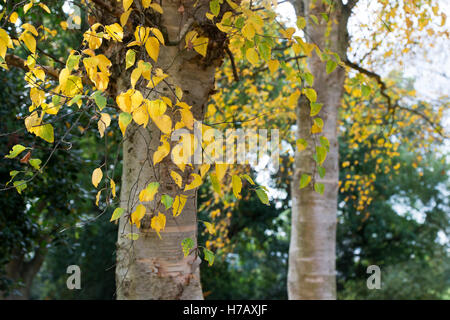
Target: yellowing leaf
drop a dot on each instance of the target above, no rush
(158, 223)
(148, 194)
(130, 58)
(16, 150)
(97, 176)
(117, 214)
(304, 180)
(46, 132)
(195, 182)
(124, 120)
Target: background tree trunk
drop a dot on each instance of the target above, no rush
(312, 252)
(22, 273)
(153, 268)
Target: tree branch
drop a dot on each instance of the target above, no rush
(18, 62)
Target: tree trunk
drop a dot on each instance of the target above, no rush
(312, 252)
(22, 273)
(150, 267)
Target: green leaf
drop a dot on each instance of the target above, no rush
(167, 201)
(321, 154)
(20, 186)
(35, 163)
(325, 143)
(321, 171)
(100, 100)
(331, 65)
(187, 244)
(315, 108)
(309, 78)
(365, 90)
(117, 214)
(262, 195)
(314, 18)
(209, 256)
(214, 6)
(215, 183)
(304, 180)
(133, 236)
(319, 187)
(75, 99)
(16, 150)
(264, 51)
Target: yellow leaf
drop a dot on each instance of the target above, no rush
(210, 227)
(152, 47)
(29, 41)
(273, 65)
(221, 169)
(103, 123)
(201, 45)
(13, 17)
(248, 31)
(158, 223)
(204, 168)
(157, 34)
(157, 8)
(162, 151)
(146, 3)
(178, 205)
(237, 185)
(177, 178)
(137, 215)
(195, 182)
(127, 4)
(113, 188)
(43, 6)
(97, 197)
(252, 56)
(27, 6)
(140, 116)
(97, 176)
(124, 17)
